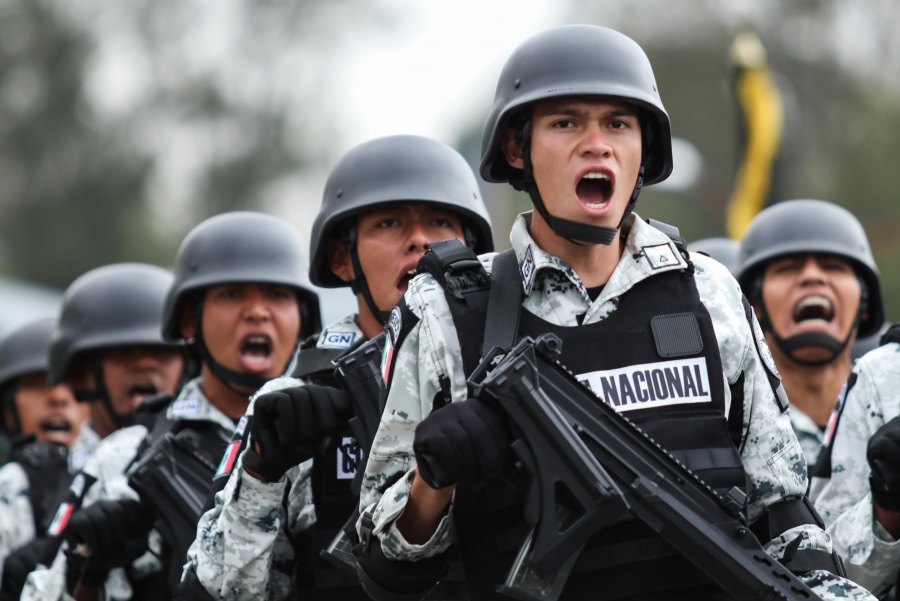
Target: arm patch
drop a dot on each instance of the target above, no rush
(400, 324)
(765, 355)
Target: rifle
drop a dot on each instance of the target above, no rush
(569, 439)
(359, 375)
(173, 476)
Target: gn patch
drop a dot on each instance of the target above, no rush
(336, 339)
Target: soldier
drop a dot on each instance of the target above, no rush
(577, 123)
(383, 202)
(806, 267)
(43, 422)
(241, 298)
(107, 348)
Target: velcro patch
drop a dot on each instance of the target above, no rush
(650, 385)
(337, 339)
(349, 458)
(660, 256)
(185, 408)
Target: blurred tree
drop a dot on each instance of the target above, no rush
(123, 124)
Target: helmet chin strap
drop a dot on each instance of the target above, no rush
(359, 285)
(101, 393)
(573, 231)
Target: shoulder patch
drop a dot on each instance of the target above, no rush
(527, 269)
(400, 323)
(660, 256)
(762, 347)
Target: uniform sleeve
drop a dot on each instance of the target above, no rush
(871, 555)
(427, 363)
(16, 517)
(243, 547)
(773, 460)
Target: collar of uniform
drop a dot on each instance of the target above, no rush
(340, 334)
(648, 251)
(192, 405)
(534, 262)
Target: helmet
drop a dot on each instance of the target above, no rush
(577, 60)
(390, 170)
(114, 305)
(240, 247)
(811, 226)
(723, 250)
(23, 348)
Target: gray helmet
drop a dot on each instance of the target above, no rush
(811, 226)
(723, 250)
(577, 60)
(240, 247)
(110, 306)
(23, 348)
(390, 170)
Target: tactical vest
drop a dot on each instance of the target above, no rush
(663, 367)
(334, 467)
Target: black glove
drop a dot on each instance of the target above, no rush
(103, 536)
(883, 454)
(18, 565)
(461, 440)
(287, 425)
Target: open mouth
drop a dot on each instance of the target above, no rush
(256, 350)
(813, 308)
(403, 282)
(56, 424)
(594, 190)
(139, 391)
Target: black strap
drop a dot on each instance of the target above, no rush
(504, 303)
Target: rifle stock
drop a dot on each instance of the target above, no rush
(569, 439)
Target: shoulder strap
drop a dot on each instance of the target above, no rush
(504, 303)
(673, 233)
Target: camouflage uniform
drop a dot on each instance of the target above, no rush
(243, 548)
(16, 516)
(773, 460)
(808, 434)
(108, 465)
(871, 555)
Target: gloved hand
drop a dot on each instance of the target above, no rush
(287, 425)
(461, 440)
(18, 565)
(105, 535)
(883, 453)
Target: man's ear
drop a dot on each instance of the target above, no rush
(339, 259)
(186, 322)
(511, 149)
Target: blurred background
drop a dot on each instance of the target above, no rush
(123, 124)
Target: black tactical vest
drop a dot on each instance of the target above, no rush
(657, 358)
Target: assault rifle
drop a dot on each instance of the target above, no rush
(174, 476)
(569, 440)
(359, 374)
